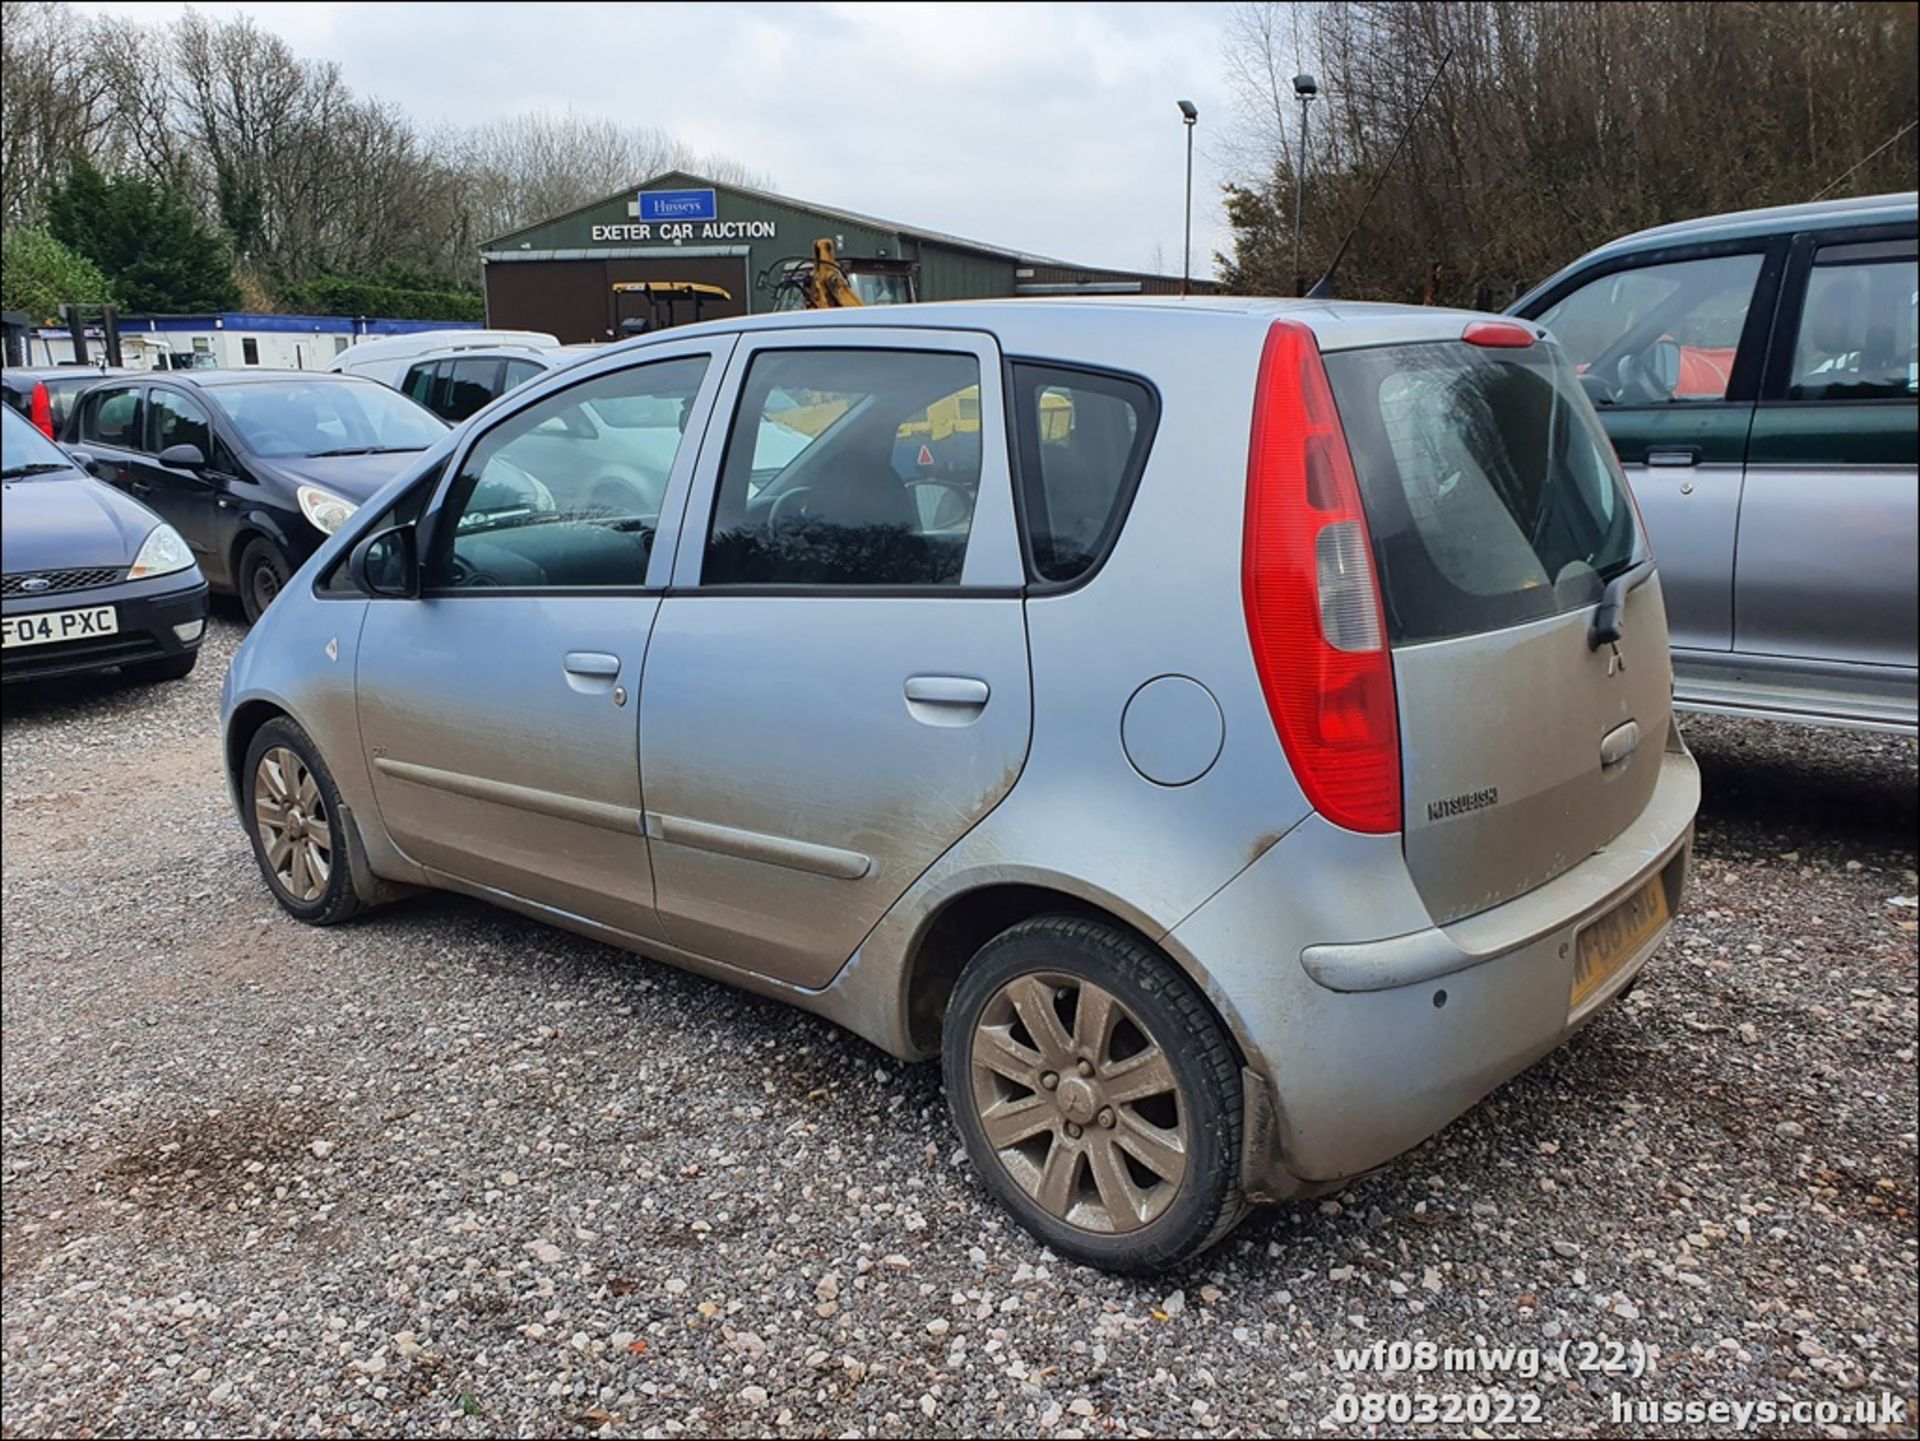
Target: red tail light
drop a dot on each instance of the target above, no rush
(42, 412)
(1312, 601)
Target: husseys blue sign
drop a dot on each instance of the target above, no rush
(658, 205)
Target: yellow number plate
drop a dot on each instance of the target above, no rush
(1610, 942)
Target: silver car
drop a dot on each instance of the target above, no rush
(1233, 736)
(1757, 374)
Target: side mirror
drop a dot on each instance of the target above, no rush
(1666, 366)
(86, 460)
(183, 457)
(387, 563)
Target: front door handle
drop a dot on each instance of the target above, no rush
(593, 663)
(1674, 455)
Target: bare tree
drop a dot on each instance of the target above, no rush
(55, 103)
(305, 177)
(527, 167)
(1558, 126)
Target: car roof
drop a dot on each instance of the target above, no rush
(536, 354)
(221, 379)
(1773, 220)
(36, 373)
(1023, 323)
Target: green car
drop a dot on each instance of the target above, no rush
(1757, 375)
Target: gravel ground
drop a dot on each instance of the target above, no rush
(447, 1172)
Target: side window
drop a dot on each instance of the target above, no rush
(1083, 443)
(1856, 336)
(567, 492)
(418, 385)
(1658, 334)
(249, 350)
(519, 372)
(112, 417)
(848, 467)
(175, 420)
(470, 385)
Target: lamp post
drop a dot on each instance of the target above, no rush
(1306, 87)
(1191, 116)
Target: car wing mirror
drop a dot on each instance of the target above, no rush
(1666, 366)
(387, 563)
(183, 457)
(86, 460)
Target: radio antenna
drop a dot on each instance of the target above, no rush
(1323, 287)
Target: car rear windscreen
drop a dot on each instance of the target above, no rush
(1491, 493)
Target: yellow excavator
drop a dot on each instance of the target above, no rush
(662, 299)
(828, 282)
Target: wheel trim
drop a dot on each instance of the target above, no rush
(1074, 1107)
(266, 585)
(296, 834)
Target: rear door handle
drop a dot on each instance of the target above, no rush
(597, 664)
(946, 700)
(947, 690)
(1674, 455)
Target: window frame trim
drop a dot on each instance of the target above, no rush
(1115, 527)
(714, 349)
(997, 575)
(1754, 349)
(1790, 312)
(93, 397)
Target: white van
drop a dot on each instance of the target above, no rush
(386, 359)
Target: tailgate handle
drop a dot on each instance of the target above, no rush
(1618, 744)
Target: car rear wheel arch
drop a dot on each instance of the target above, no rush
(966, 922)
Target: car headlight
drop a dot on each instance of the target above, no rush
(327, 511)
(161, 553)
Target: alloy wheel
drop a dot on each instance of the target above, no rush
(295, 833)
(1079, 1102)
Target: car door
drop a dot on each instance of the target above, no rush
(188, 500)
(498, 708)
(110, 429)
(1669, 347)
(1826, 568)
(837, 688)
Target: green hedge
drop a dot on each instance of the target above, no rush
(339, 295)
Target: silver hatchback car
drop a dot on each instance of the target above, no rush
(1233, 736)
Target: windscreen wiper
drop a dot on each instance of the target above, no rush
(1605, 629)
(39, 467)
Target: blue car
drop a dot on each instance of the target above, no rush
(90, 579)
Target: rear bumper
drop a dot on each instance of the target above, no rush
(148, 612)
(1367, 1048)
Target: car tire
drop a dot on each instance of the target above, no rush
(174, 667)
(1068, 1122)
(298, 827)
(263, 572)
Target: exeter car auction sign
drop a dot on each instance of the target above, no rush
(682, 215)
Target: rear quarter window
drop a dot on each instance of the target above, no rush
(1083, 438)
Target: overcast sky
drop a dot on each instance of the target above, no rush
(1048, 128)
